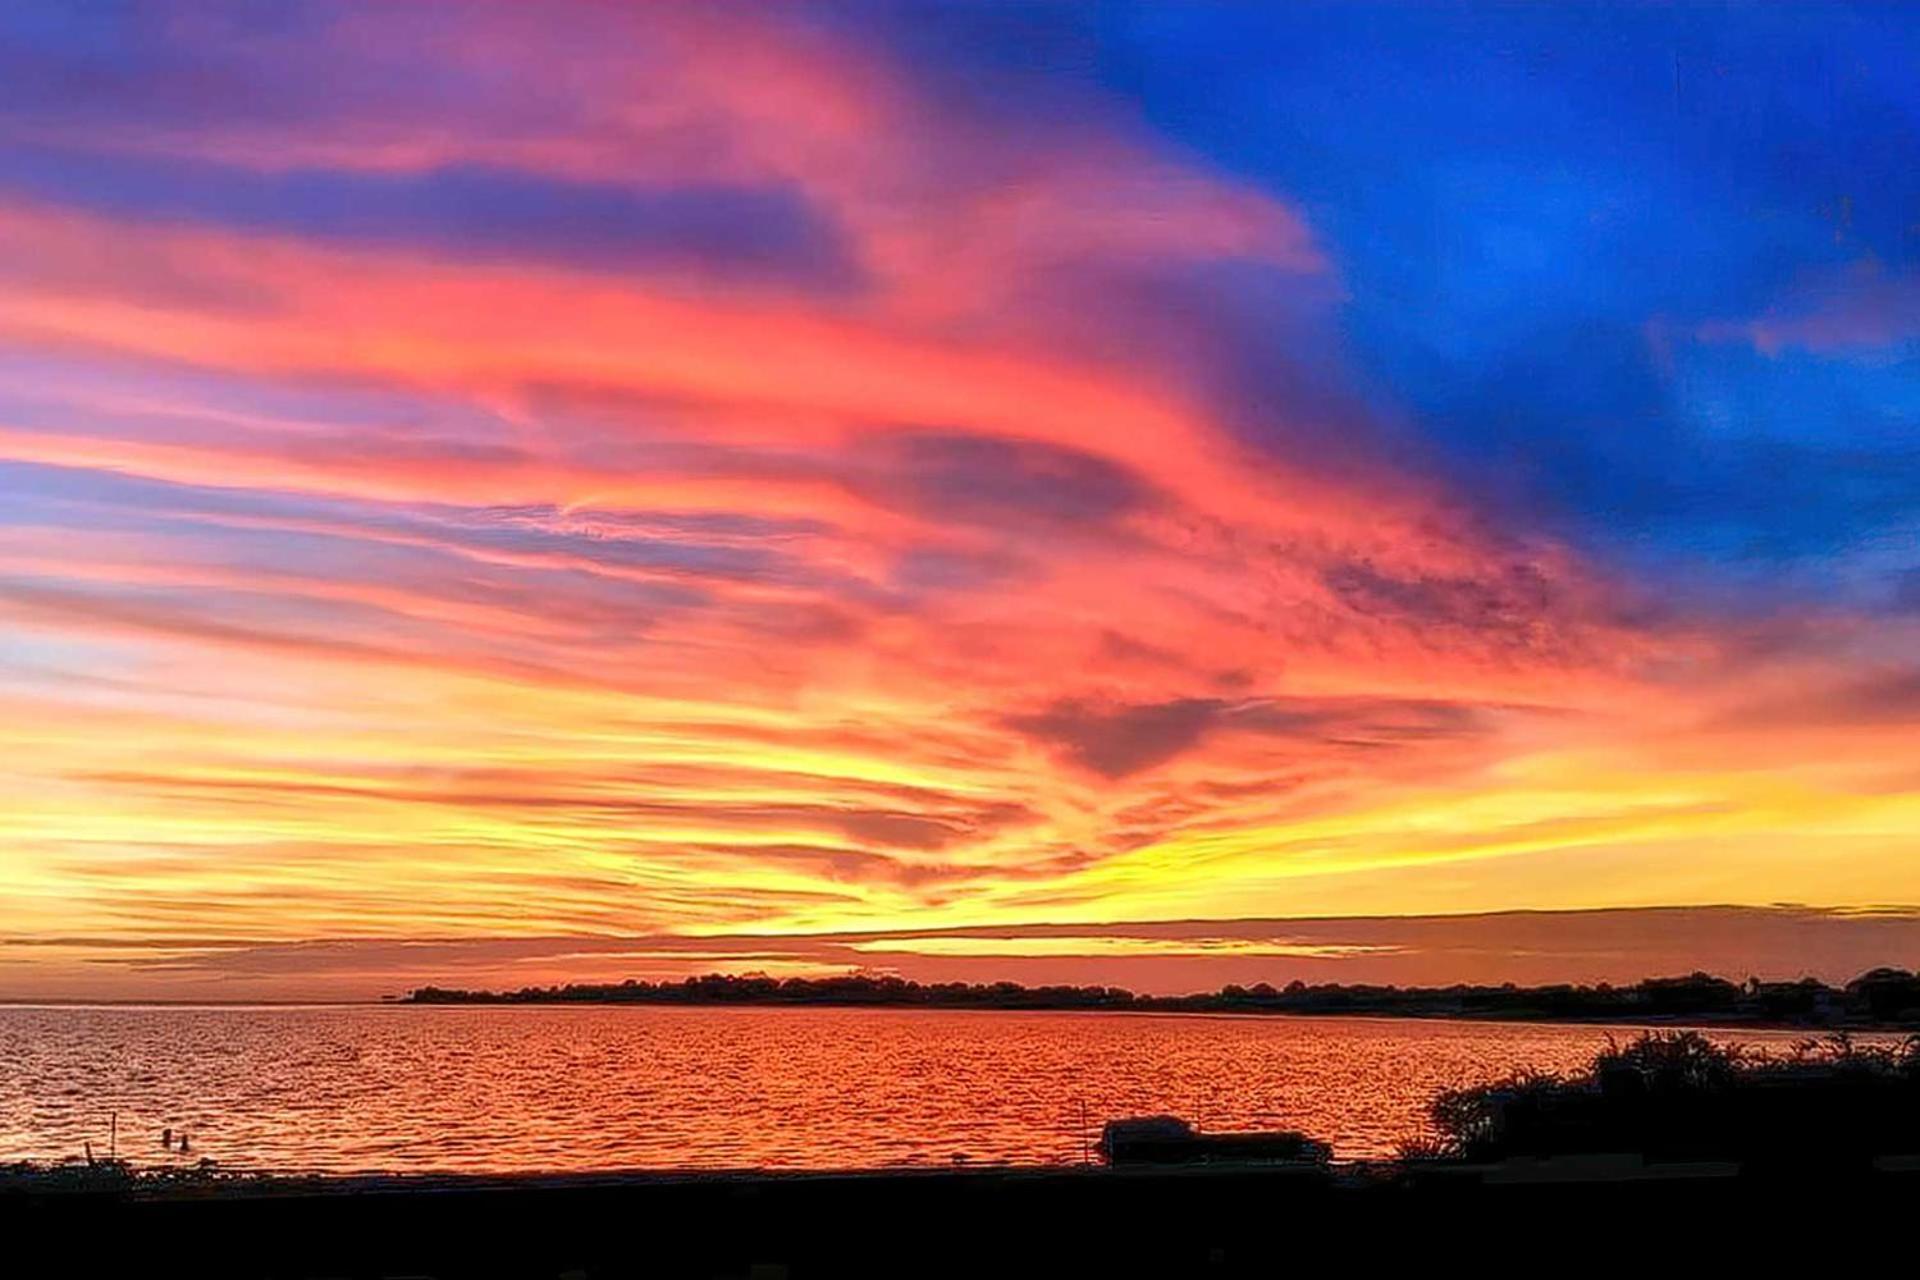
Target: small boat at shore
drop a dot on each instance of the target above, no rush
(1164, 1140)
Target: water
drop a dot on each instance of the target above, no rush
(494, 1089)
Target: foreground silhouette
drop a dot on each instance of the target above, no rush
(1880, 998)
(1679, 1096)
(1165, 1140)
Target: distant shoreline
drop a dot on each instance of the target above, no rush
(1629, 1022)
(1623, 1021)
(1881, 1000)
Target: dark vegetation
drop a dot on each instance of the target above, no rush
(89, 1177)
(1679, 1096)
(1880, 998)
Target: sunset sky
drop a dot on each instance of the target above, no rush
(1155, 493)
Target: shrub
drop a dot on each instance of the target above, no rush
(1677, 1095)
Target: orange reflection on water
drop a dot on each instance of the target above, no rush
(497, 1089)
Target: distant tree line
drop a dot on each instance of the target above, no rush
(1881, 997)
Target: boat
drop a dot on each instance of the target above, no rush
(1163, 1140)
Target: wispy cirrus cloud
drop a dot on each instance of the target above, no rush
(1164, 957)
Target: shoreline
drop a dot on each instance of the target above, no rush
(1626, 1022)
(1623, 1021)
(1879, 999)
(1225, 1219)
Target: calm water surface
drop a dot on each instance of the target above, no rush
(493, 1089)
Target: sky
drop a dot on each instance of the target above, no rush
(1161, 493)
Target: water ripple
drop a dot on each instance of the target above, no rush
(493, 1089)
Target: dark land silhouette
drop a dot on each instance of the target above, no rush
(1885, 998)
